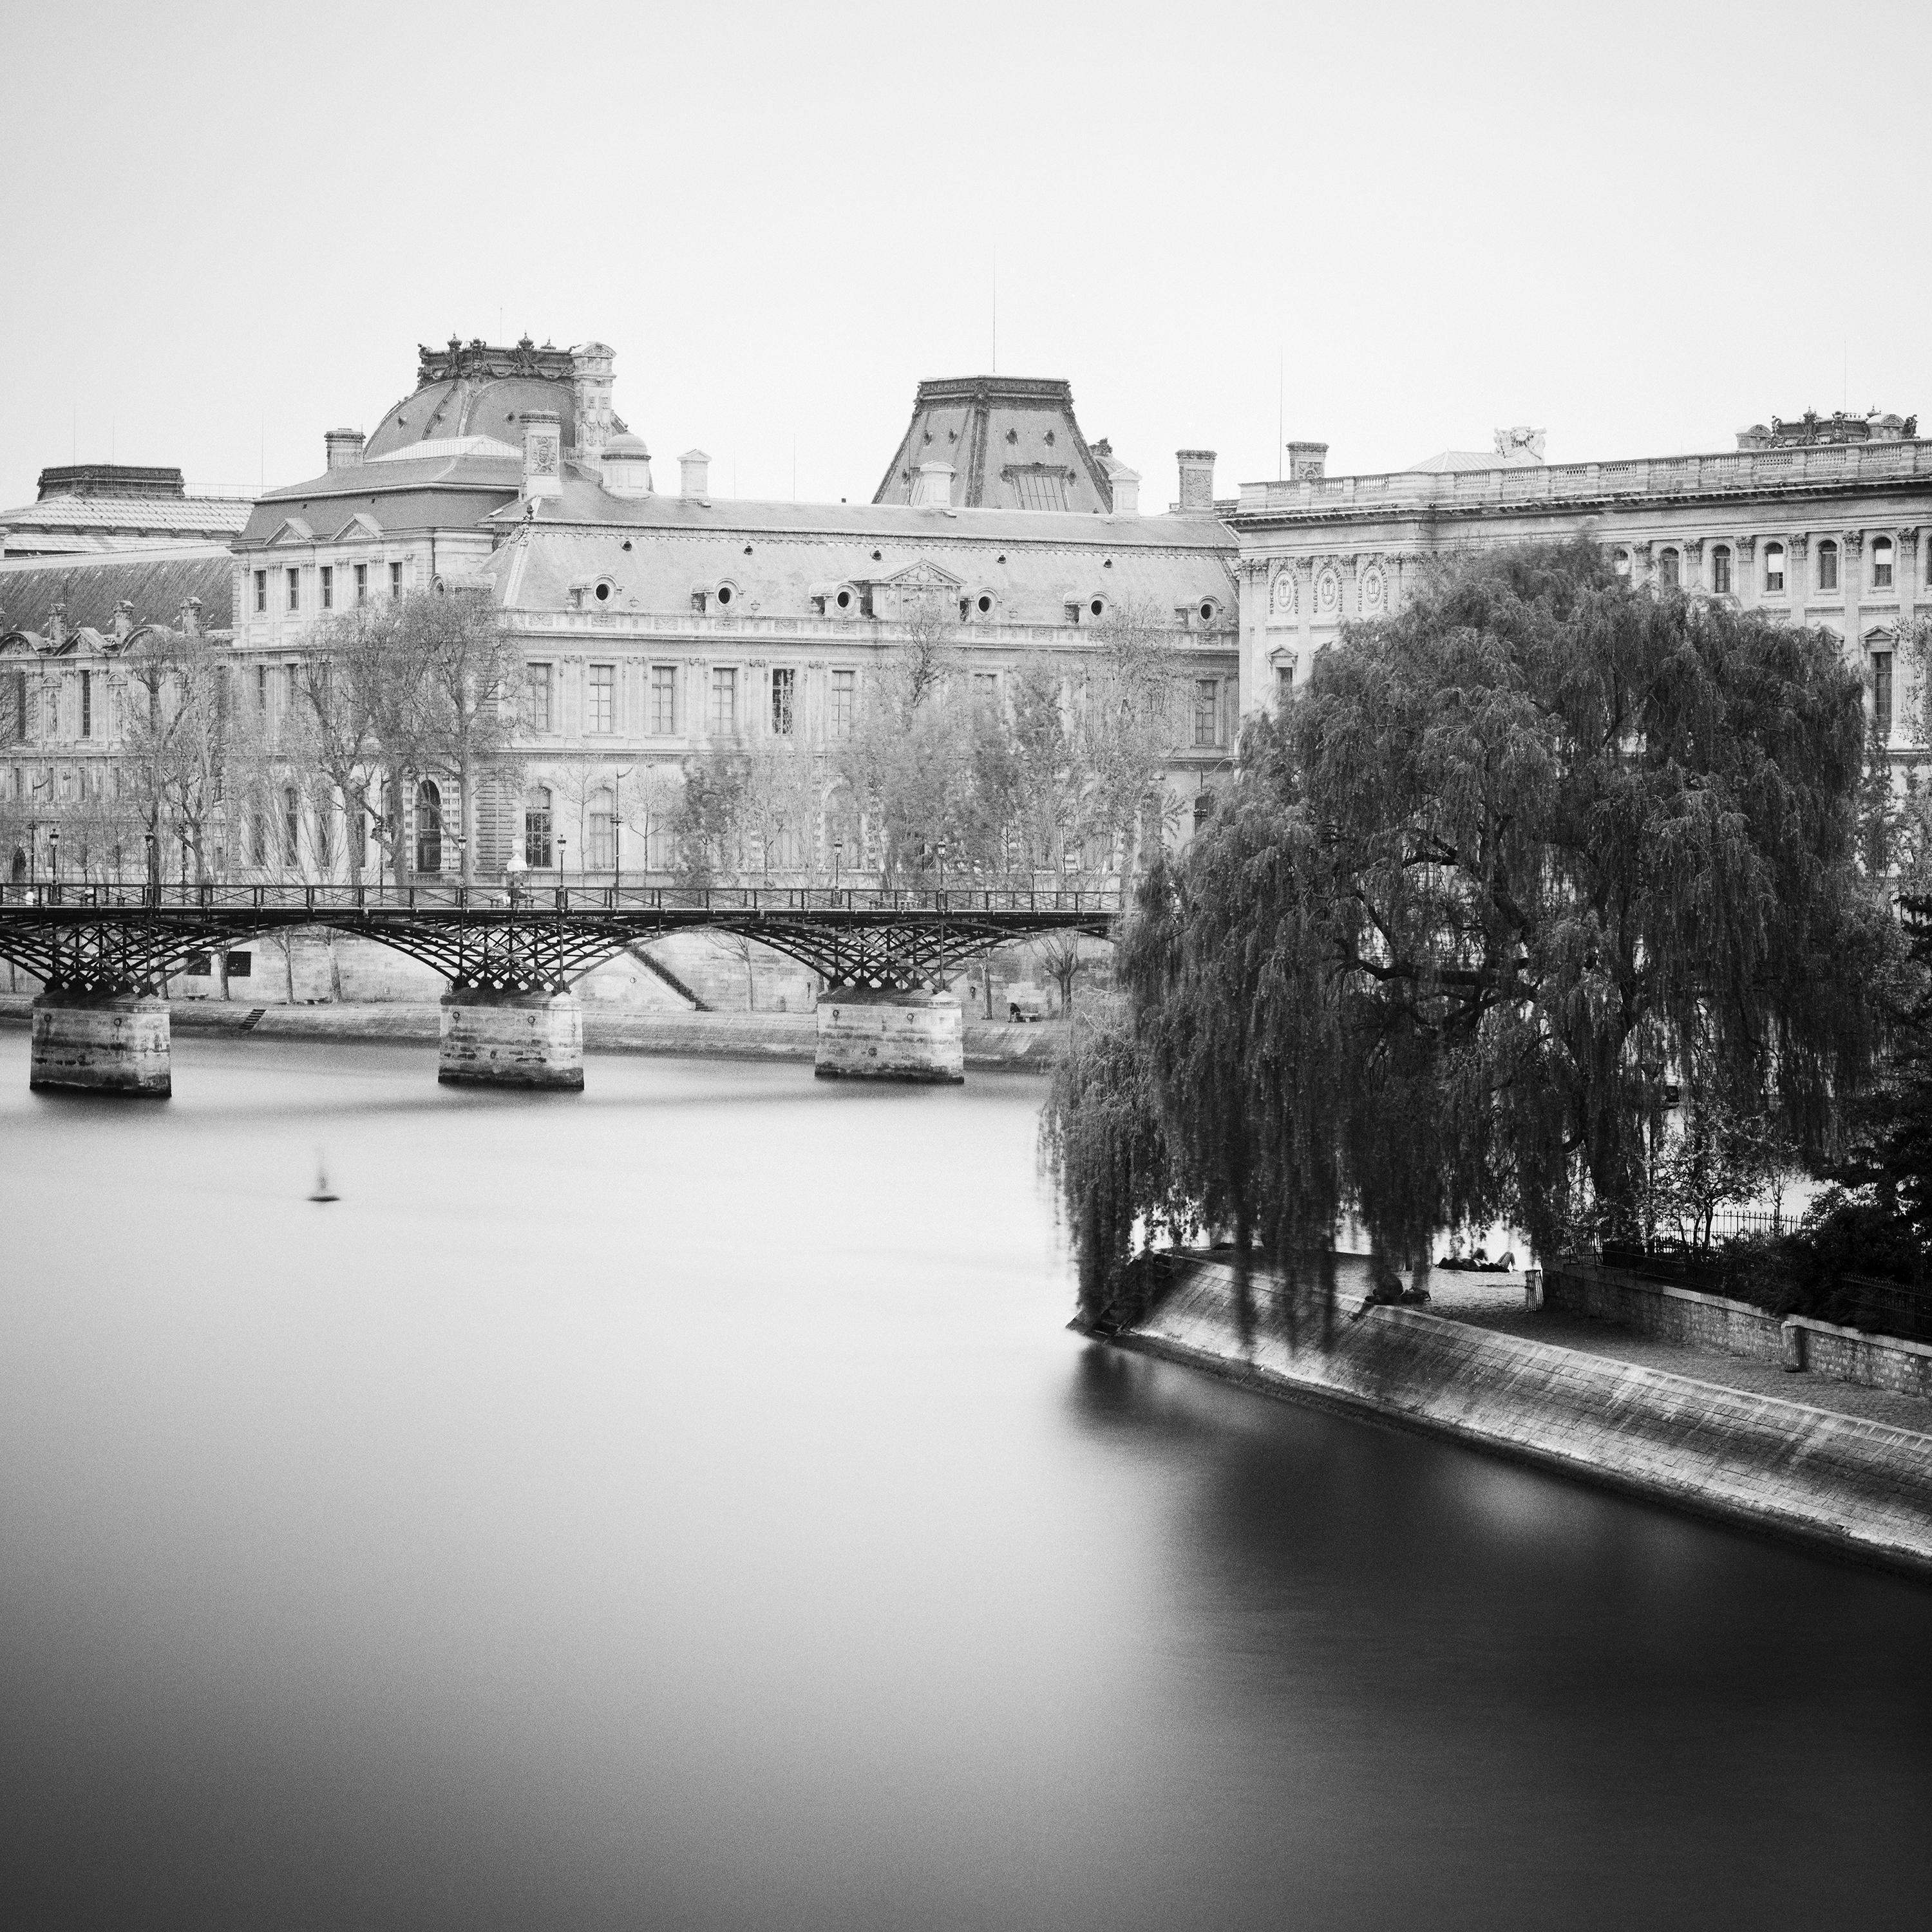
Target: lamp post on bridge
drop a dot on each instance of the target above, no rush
(154, 867)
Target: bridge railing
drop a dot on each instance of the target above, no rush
(328, 902)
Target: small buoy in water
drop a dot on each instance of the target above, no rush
(323, 1191)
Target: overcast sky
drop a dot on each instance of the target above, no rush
(1637, 227)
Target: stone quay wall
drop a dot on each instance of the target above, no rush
(1694, 1320)
(1862, 1488)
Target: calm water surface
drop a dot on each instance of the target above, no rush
(682, 1506)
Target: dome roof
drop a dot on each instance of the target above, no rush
(494, 406)
(473, 389)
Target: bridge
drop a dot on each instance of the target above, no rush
(511, 955)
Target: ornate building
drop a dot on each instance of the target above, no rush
(657, 626)
(1822, 521)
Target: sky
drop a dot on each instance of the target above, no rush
(1391, 228)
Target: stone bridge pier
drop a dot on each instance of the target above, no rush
(888, 1033)
(117, 1041)
(507, 1038)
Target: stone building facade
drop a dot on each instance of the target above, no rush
(1822, 522)
(658, 626)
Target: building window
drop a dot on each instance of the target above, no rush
(295, 590)
(1284, 683)
(87, 704)
(537, 698)
(1669, 573)
(361, 583)
(262, 689)
(723, 702)
(536, 828)
(1720, 570)
(1774, 569)
(783, 682)
(1620, 563)
(258, 838)
(395, 580)
(1828, 565)
(1207, 711)
(429, 826)
(329, 586)
(845, 702)
(1204, 808)
(1881, 664)
(291, 687)
(986, 687)
(1882, 564)
(603, 855)
(603, 698)
(262, 591)
(291, 827)
(663, 700)
(324, 839)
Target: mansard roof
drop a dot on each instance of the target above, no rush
(156, 587)
(449, 491)
(81, 523)
(1013, 443)
(654, 550)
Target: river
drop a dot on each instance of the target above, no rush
(682, 1505)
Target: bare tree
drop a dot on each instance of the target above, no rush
(176, 743)
(472, 668)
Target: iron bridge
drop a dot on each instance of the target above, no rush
(111, 939)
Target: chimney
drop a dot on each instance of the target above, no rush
(344, 447)
(1126, 491)
(1197, 481)
(1307, 462)
(693, 469)
(57, 625)
(543, 444)
(190, 616)
(590, 398)
(932, 487)
(124, 619)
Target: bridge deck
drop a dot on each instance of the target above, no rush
(97, 937)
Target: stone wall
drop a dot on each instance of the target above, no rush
(1710, 1322)
(1684, 1315)
(1863, 1488)
(1851, 1355)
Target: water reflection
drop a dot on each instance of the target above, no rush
(683, 1506)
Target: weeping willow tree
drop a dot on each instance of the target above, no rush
(1522, 856)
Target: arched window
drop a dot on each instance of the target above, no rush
(291, 826)
(536, 827)
(1828, 565)
(1720, 570)
(1881, 575)
(603, 852)
(429, 827)
(1774, 569)
(324, 837)
(1204, 808)
(1620, 563)
(1669, 572)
